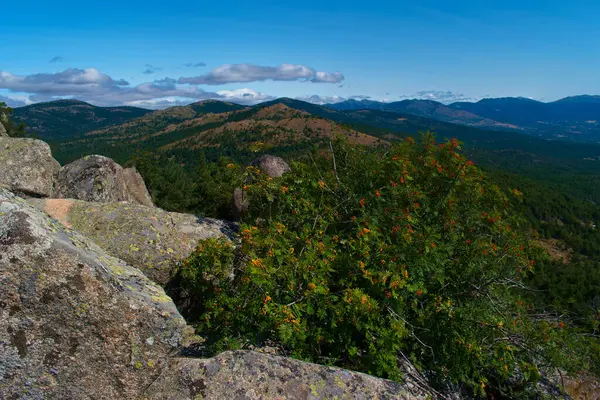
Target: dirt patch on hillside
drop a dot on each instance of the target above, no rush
(556, 249)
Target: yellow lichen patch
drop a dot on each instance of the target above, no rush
(59, 210)
(339, 382)
(81, 309)
(315, 388)
(114, 267)
(161, 298)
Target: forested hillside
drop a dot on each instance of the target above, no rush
(221, 130)
(63, 119)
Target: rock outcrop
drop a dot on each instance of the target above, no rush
(273, 166)
(239, 204)
(27, 167)
(580, 387)
(78, 320)
(249, 375)
(3, 132)
(76, 323)
(148, 238)
(137, 187)
(100, 179)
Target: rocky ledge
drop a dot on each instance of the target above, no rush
(148, 238)
(77, 323)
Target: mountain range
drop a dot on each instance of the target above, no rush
(215, 128)
(290, 127)
(575, 118)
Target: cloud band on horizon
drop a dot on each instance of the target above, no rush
(96, 87)
(100, 89)
(243, 73)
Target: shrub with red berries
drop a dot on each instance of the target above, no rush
(369, 257)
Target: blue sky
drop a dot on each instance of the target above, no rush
(254, 51)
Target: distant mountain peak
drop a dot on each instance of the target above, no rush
(62, 103)
(584, 98)
(68, 118)
(210, 101)
(440, 96)
(280, 109)
(518, 99)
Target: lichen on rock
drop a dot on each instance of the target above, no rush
(151, 239)
(3, 132)
(250, 375)
(273, 166)
(74, 321)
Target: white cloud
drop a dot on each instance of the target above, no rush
(244, 96)
(15, 101)
(71, 81)
(445, 97)
(159, 103)
(235, 73)
(316, 99)
(320, 100)
(327, 77)
(96, 87)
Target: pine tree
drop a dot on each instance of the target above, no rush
(13, 130)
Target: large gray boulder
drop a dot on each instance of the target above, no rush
(249, 375)
(273, 166)
(3, 132)
(100, 179)
(150, 239)
(76, 323)
(27, 166)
